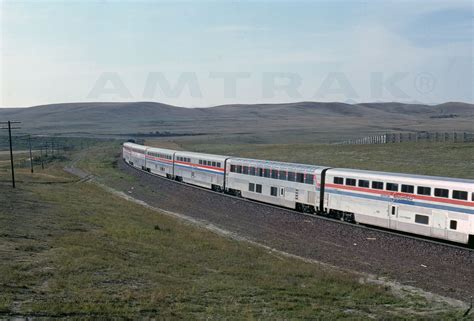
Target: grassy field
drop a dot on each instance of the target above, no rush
(71, 249)
(439, 159)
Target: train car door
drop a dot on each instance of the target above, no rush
(438, 226)
(393, 216)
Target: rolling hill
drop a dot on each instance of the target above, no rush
(290, 121)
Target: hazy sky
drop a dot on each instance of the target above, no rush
(219, 52)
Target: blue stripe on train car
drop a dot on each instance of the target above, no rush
(199, 169)
(401, 201)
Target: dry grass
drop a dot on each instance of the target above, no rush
(71, 249)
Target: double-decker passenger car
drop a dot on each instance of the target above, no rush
(160, 161)
(134, 154)
(283, 184)
(204, 170)
(433, 206)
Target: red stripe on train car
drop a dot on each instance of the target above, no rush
(401, 194)
(200, 166)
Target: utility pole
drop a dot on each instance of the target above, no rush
(31, 156)
(41, 157)
(9, 123)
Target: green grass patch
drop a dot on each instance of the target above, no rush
(71, 249)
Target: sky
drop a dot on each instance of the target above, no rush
(207, 53)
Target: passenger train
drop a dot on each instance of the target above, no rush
(436, 207)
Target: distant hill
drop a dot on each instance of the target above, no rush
(301, 119)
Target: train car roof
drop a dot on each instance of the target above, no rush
(278, 164)
(165, 150)
(388, 175)
(135, 145)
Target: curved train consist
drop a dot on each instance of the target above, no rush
(431, 206)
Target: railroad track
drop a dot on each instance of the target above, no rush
(316, 216)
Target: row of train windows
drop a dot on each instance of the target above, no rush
(424, 219)
(209, 163)
(410, 189)
(275, 174)
(160, 155)
(183, 159)
(138, 151)
(257, 188)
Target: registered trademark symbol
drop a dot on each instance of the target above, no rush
(425, 82)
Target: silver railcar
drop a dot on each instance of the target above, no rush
(284, 184)
(204, 170)
(134, 154)
(160, 161)
(425, 205)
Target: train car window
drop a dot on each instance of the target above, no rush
(266, 172)
(238, 169)
(441, 192)
(350, 182)
(251, 187)
(252, 171)
(260, 172)
(338, 180)
(453, 225)
(218, 164)
(460, 195)
(300, 177)
(189, 160)
(391, 187)
(200, 162)
(282, 175)
(232, 168)
(408, 189)
(291, 176)
(422, 219)
(364, 183)
(274, 173)
(273, 191)
(309, 179)
(245, 170)
(214, 164)
(423, 190)
(258, 188)
(377, 185)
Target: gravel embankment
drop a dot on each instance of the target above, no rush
(433, 267)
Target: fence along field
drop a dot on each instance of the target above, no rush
(436, 137)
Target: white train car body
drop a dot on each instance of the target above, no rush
(134, 154)
(432, 206)
(127, 152)
(205, 170)
(283, 184)
(160, 161)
